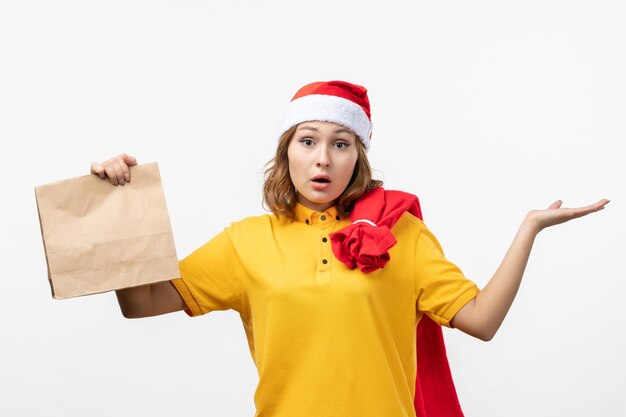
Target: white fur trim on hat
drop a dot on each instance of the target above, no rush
(327, 108)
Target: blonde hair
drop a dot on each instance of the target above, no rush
(279, 193)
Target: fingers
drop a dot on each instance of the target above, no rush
(129, 160)
(98, 169)
(556, 204)
(555, 214)
(124, 168)
(583, 211)
(596, 206)
(116, 168)
(110, 170)
(119, 173)
(602, 203)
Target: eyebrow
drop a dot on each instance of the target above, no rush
(340, 130)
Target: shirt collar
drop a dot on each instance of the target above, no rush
(310, 216)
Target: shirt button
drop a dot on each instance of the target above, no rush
(307, 221)
(337, 218)
(324, 261)
(324, 240)
(323, 217)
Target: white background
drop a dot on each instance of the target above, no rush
(484, 109)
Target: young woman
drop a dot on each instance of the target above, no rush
(330, 315)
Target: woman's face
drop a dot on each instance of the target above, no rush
(322, 157)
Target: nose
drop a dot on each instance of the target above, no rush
(323, 157)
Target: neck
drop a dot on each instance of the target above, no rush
(315, 206)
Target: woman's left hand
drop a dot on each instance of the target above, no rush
(556, 215)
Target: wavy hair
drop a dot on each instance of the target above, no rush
(279, 193)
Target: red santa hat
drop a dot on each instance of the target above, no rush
(330, 101)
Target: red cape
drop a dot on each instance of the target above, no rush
(366, 246)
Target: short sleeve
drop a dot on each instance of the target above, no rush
(212, 277)
(441, 288)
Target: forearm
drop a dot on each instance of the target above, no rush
(132, 300)
(149, 300)
(485, 313)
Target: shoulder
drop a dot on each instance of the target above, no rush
(254, 235)
(255, 226)
(414, 229)
(406, 231)
(409, 223)
(250, 223)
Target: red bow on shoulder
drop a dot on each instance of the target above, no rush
(365, 244)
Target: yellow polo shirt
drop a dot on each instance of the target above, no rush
(327, 341)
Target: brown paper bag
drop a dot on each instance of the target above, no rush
(98, 237)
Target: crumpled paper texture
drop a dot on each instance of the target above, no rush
(98, 237)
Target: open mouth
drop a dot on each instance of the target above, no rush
(321, 180)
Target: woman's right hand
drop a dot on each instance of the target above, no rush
(116, 168)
